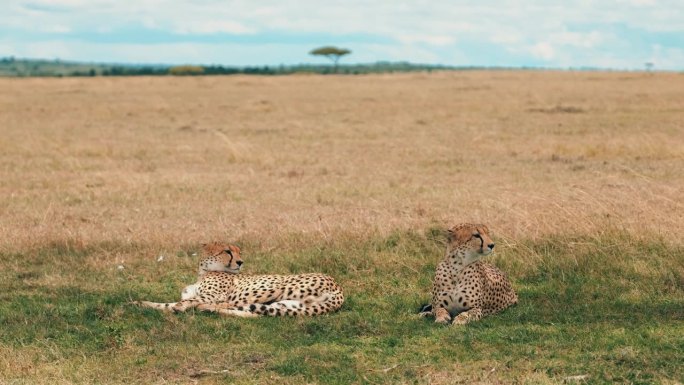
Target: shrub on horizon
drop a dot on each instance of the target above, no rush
(186, 70)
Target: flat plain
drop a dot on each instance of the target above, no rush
(109, 185)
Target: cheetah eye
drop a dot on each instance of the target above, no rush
(229, 252)
(477, 235)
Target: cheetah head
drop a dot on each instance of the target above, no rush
(469, 241)
(218, 256)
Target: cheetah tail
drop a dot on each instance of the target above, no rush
(156, 305)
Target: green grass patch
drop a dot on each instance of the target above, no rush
(608, 307)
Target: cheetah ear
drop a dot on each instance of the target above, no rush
(208, 247)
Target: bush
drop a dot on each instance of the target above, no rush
(186, 70)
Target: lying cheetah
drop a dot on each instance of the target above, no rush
(465, 286)
(221, 289)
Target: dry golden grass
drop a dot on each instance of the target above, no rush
(579, 175)
(167, 161)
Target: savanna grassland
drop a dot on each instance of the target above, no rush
(109, 185)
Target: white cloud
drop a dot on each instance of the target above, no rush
(209, 27)
(506, 38)
(556, 46)
(46, 49)
(578, 39)
(381, 52)
(543, 50)
(385, 18)
(56, 28)
(545, 30)
(642, 2)
(436, 40)
(355, 15)
(666, 58)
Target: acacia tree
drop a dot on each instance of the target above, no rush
(332, 53)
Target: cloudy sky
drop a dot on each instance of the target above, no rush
(621, 34)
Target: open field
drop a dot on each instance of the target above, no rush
(579, 175)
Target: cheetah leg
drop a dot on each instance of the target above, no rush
(226, 311)
(280, 308)
(471, 315)
(442, 316)
(237, 313)
(290, 307)
(322, 303)
(182, 306)
(189, 292)
(309, 306)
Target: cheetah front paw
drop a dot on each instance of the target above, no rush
(461, 319)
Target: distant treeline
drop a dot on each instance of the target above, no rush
(27, 67)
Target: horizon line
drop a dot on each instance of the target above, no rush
(12, 58)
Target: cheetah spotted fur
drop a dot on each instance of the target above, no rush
(464, 286)
(222, 290)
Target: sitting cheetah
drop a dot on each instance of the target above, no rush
(221, 289)
(463, 284)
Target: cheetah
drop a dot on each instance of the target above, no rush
(222, 290)
(464, 286)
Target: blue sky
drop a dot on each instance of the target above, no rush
(620, 34)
